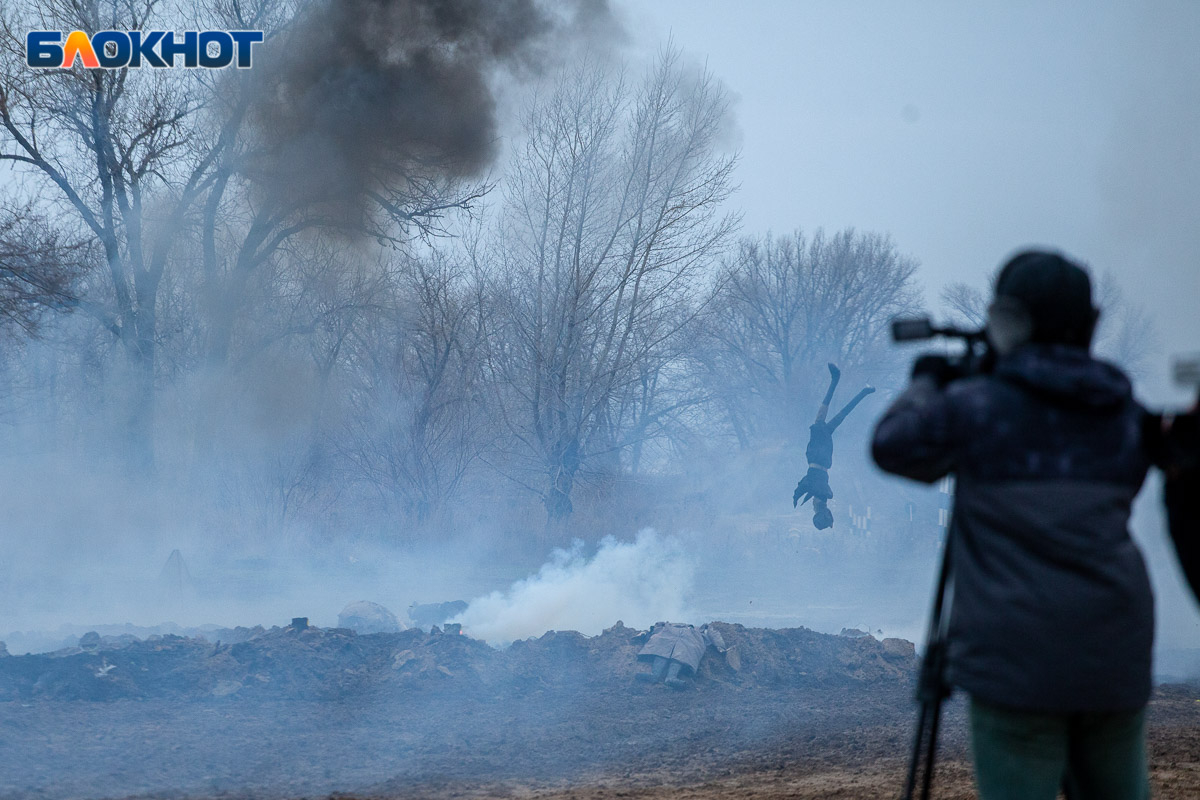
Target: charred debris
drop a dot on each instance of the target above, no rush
(304, 662)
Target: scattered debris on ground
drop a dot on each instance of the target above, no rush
(300, 711)
(367, 617)
(304, 662)
(426, 615)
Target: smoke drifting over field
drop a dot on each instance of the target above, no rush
(312, 423)
(366, 94)
(639, 582)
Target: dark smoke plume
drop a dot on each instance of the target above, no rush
(364, 94)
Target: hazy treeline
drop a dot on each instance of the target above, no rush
(327, 293)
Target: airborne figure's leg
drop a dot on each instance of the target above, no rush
(834, 375)
(858, 398)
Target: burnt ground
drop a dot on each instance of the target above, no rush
(307, 713)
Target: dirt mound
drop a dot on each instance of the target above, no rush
(798, 656)
(326, 663)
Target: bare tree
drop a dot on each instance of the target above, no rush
(413, 426)
(612, 211)
(785, 307)
(1126, 334)
(297, 344)
(37, 268)
(966, 303)
(650, 414)
(120, 153)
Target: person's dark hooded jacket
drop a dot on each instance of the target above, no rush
(1052, 609)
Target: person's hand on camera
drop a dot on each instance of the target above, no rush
(940, 368)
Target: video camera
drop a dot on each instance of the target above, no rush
(915, 329)
(976, 357)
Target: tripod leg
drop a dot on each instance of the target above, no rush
(931, 692)
(910, 783)
(927, 780)
(1070, 788)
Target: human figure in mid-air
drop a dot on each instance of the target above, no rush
(815, 483)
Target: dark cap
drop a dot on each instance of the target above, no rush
(1057, 293)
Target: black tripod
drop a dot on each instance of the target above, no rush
(931, 684)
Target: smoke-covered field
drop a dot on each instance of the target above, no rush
(302, 713)
(294, 711)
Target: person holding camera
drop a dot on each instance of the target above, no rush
(1051, 618)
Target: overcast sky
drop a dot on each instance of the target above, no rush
(967, 130)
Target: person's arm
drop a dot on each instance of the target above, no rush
(914, 438)
(1172, 441)
(1173, 444)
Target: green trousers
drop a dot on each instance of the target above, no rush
(1093, 756)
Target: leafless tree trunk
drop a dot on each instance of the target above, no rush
(611, 213)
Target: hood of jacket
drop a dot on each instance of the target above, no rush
(1066, 376)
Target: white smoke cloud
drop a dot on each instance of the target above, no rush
(638, 582)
